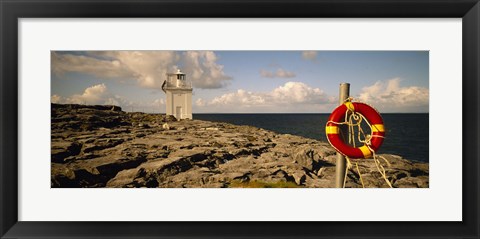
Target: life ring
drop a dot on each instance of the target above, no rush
(376, 125)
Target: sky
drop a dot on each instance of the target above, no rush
(244, 81)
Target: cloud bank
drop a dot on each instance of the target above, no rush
(146, 68)
(290, 97)
(93, 95)
(389, 96)
(100, 95)
(297, 97)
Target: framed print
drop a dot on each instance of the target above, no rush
(213, 119)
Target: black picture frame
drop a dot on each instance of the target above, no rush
(11, 11)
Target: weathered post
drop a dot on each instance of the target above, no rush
(341, 162)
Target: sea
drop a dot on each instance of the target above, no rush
(406, 134)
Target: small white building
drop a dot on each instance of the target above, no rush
(179, 95)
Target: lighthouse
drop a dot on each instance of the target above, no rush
(179, 95)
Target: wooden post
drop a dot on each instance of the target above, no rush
(341, 161)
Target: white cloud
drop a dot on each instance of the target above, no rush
(389, 96)
(203, 70)
(100, 95)
(309, 55)
(56, 99)
(240, 98)
(93, 95)
(298, 92)
(290, 97)
(96, 94)
(146, 68)
(280, 73)
(200, 102)
(158, 102)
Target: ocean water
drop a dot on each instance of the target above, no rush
(406, 134)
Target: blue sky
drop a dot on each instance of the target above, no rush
(244, 81)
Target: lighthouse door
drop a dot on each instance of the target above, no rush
(178, 113)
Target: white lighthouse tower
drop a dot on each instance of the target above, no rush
(179, 95)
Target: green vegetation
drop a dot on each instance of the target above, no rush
(259, 184)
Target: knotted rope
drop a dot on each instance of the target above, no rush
(354, 119)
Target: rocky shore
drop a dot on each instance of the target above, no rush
(103, 146)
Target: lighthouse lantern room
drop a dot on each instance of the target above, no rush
(179, 95)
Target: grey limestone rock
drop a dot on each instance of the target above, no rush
(102, 146)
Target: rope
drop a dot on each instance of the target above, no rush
(360, 175)
(353, 119)
(382, 171)
(346, 171)
(349, 164)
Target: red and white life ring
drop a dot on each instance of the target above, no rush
(376, 126)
